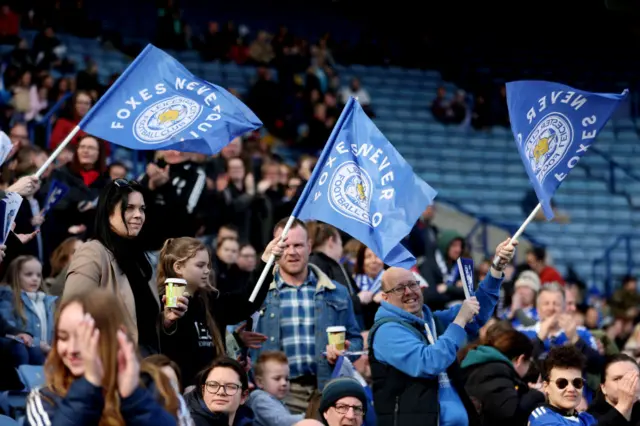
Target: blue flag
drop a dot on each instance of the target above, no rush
(466, 275)
(554, 125)
(363, 186)
(158, 104)
(57, 191)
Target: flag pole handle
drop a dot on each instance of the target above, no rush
(57, 152)
(272, 259)
(520, 230)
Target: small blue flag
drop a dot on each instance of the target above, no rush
(465, 266)
(363, 186)
(554, 125)
(158, 104)
(57, 191)
(9, 207)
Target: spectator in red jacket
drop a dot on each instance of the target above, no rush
(80, 104)
(536, 258)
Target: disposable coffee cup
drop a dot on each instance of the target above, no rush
(174, 288)
(336, 336)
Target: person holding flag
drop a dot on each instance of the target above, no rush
(363, 186)
(412, 351)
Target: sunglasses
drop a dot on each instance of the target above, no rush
(577, 383)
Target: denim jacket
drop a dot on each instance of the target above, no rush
(32, 326)
(333, 307)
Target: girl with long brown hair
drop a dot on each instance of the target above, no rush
(94, 375)
(194, 339)
(24, 305)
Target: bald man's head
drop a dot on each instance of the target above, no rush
(401, 289)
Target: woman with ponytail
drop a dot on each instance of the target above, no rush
(94, 374)
(195, 337)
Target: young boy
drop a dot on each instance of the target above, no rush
(272, 380)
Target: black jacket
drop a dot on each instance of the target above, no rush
(337, 273)
(499, 394)
(189, 342)
(607, 415)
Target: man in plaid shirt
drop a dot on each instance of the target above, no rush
(302, 302)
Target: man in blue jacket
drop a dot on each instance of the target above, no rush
(413, 351)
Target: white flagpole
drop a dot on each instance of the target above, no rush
(303, 197)
(522, 228)
(57, 152)
(272, 259)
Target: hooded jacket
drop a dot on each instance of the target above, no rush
(202, 416)
(498, 392)
(406, 367)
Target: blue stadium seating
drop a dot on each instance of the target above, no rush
(479, 170)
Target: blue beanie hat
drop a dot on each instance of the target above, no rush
(340, 388)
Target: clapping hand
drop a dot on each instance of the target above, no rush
(88, 339)
(128, 366)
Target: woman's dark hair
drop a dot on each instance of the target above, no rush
(117, 193)
(612, 359)
(359, 266)
(114, 193)
(562, 357)
(222, 362)
(69, 109)
(100, 165)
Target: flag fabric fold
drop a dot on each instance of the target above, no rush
(554, 125)
(363, 186)
(157, 104)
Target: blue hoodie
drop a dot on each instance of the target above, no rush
(397, 346)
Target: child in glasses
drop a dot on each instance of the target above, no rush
(272, 379)
(563, 383)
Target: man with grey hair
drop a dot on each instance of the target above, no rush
(558, 327)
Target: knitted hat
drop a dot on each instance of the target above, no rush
(340, 388)
(529, 279)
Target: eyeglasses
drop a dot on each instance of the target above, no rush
(577, 383)
(344, 409)
(229, 389)
(399, 290)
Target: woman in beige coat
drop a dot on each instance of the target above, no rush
(116, 260)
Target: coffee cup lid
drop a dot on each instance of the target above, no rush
(176, 281)
(336, 329)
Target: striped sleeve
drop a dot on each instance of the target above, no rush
(184, 416)
(542, 416)
(37, 415)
